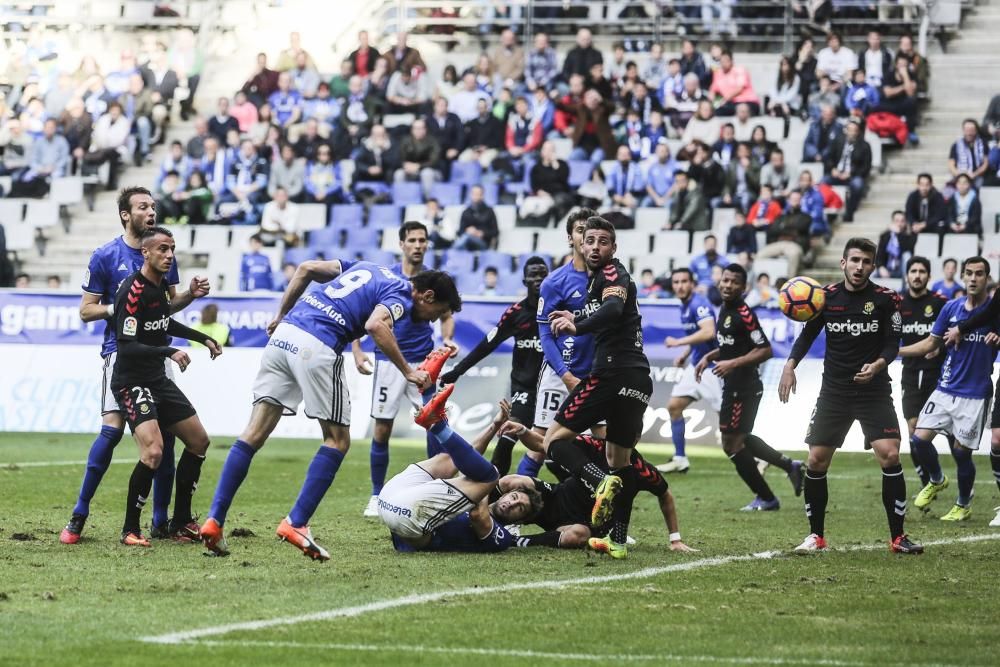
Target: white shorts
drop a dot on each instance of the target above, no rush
(549, 397)
(297, 367)
(708, 390)
(413, 503)
(389, 387)
(963, 418)
(108, 402)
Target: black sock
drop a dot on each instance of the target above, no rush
(502, 454)
(995, 464)
(894, 498)
(575, 461)
(139, 485)
(188, 472)
(766, 452)
(747, 469)
(549, 538)
(924, 477)
(622, 513)
(816, 496)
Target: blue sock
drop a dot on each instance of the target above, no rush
(433, 448)
(677, 433)
(529, 466)
(379, 459)
(319, 477)
(966, 474)
(163, 481)
(468, 461)
(234, 471)
(928, 458)
(98, 461)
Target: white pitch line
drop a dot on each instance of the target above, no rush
(418, 599)
(47, 464)
(540, 655)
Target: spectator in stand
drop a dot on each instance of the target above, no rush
(659, 175)
(307, 146)
(137, 105)
(716, 17)
(760, 146)
(775, 174)
(288, 174)
(262, 83)
(211, 327)
(419, 154)
(286, 59)
(449, 83)
(162, 81)
(582, 56)
(22, 281)
(743, 124)
(701, 265)
(77, 128)
(466, 102)
(477, 229)
(824, 95)
(895, 247)
(765, 210)
(593, 138)
(861, 97)
(108, 142)
(246, 183)
(682, 107)
(742, 238)
(447, 129)
(116, 81)
(220, 124)
(968, 155)
(15, 148)
(53, 282)
(947, 286)
(565, 116)
(198, 200)
(805, 65)
(876, 60)
(279, 220)
(925, 209)
(491, 278)
(442, 230)
(508, 59)
(742, 183)
(785, 99)
(992, 176)
(255, 268)
(703, 127)
(848, 163)
(175, 160)
(965, 212)
(244, 112)
(305, 78)
(899, 94)
(270, 148)
(378, 83)
(406, 94)
(837, 62)
(323, 181)
(597, 81)
(731, 84)
(639, 100)
(812, 204)
(919, 68)
(377, 159)
(709, 173)
(356, 118)
(550, 192)
(285, 102)
(49, 158)
(542, 66)
(672, 84)
(763, 295)
(322, 108)
(688, 210)
(788, 235)
(170, 199)
(656, 67)
(339, 85)
(823, 133)
(484, 137)
(991, 119)
(523, 136)
(544, 109)
(648, 288)
(195, 147)
(618, 67)
(363, 58)
(624, 181)
(403, 57)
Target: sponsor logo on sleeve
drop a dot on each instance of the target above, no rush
(492, 334)
(131, 326)
(757, 336)
(396, 310)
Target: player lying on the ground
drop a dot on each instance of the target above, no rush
(581, 466)
(427, 508)
(149, 399)
(303, 363)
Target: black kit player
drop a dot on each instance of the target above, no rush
(147, 397)
(619, 385)
(518, 321)
(743, 347)
(919, 308)
(863, 327)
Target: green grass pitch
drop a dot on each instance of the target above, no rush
(90, 604)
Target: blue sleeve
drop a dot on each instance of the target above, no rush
(346, 264)
(95, 280)
(549, 346)
(173, 275)
(941, 323)
(307, 180)
(499, 539)
(702, 309)
(244, 273)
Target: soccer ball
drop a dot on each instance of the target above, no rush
(801, 298)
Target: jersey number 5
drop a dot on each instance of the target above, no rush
(349, 282)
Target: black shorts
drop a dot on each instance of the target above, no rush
(918, 385)
(522, 403)
(618, 396)
(837, 409)
(739, 408)
(160, 400)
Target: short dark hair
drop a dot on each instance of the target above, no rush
(491, 269)
(925, 175)
(917, 259)
(896, 212)
(597, 222)
(409, 226)
(125, 199)
(860, 243)
(258, 238)
(536, 502)
(738, 270)
(976, 259)
(965, 176)
(709, 236)
(534, 260)
(443, 286)
(576, 216)
(949, 259)
(683, 269)
(156, 231)
(680, 172)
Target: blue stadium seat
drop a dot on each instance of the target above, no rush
(579, 172)
(525, 256)
(406, 193)
(458, 261)
(510, 284)
(501, 260)
(327, 236)
(522, 186)
(299, 255)
(381, 216)
(447, 194)
(466, 173)
(380, 257)
(347, 214)
(469, 283)
(375, 187)
(365, 237)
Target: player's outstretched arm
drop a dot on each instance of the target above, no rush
(483, 349)
(988, 314)
(198, 288)
(530, 438)
(175, 328)
(669, 510)
(306, 273)
(485, 437)
(921, 348)
(379, 327)
(705, 333)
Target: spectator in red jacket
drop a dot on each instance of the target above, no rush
(765, 209)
